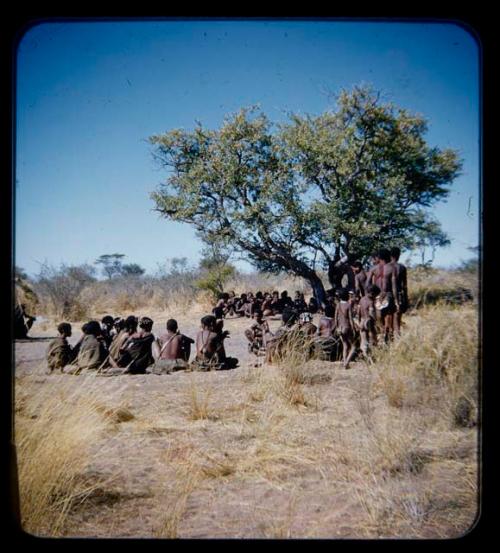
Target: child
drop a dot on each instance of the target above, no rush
(345, 327)
(367, 319)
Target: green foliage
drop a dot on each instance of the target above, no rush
(314, 189)
(132, 269)
(215, 270)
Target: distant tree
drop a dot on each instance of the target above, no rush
(132, 269)
(471, 265)
(111, 264)
(428, 236)
(318, 188)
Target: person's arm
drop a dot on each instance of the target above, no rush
(404, 282)
(394, 285)
(350, 317)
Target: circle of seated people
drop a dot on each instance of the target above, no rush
(350, 320)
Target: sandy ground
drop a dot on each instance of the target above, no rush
(262, 471)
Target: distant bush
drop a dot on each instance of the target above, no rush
(59, 289)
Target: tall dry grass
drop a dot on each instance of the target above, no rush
(57, 428)
(435, 361)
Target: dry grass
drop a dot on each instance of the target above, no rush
(430, 286)
(56, 429)
(303, 448)
(434, 363)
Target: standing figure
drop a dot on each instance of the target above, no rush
(388, 287)
(360, 279)
(367, 319)
(401, 289)
(345, 327)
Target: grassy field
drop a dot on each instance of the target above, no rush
(293, 450)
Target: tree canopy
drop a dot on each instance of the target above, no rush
(300, 195)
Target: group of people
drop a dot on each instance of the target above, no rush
(368, 303)
(372, 303)
(269, 303)
(128, 346)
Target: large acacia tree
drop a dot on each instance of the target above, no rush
(301, 195)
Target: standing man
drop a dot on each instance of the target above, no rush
(401, 289)
(360, 279)
(388, 288)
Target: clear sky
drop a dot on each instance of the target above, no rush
(89, 94)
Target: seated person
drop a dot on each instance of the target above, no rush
(174, 349)
(220, 308)
(210, 351)
(231, 304)
(313, 305)
(275, 304)
(266, 307)
(285, 301)
(258, 333)
(107, 324)
(118, 326)
(240, 305)
(91, 350)
(125, 327)
(136, 352)
(59, 353)
(299, 302)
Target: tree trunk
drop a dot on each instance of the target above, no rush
(318, 289)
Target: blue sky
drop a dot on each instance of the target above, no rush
(89, 94)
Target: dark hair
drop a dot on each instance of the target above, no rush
(284, 294)
(172, 325)
(119, 322)
(208, 320)
(384, 254)
(92, 327)
(146, 323)
(357, 264)
(313, 301)
(344, 294)
(64, 328)
(395, 252)
(258, 295)
(107, 320)
(329, 310)
(131, 323)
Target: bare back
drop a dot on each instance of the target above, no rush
(326, 327)
(171, 346)
(205, 346)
